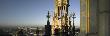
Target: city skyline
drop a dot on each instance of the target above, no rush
(32, 12)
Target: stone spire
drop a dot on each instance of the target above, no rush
(48, 16)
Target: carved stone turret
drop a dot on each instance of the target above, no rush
(60, 19)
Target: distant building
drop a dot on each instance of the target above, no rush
(4, 33)
(20, 32)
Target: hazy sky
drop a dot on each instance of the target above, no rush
(31, 12)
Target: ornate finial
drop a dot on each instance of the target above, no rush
(73, 14)
(48, 16)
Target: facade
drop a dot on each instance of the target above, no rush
(94, 18)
